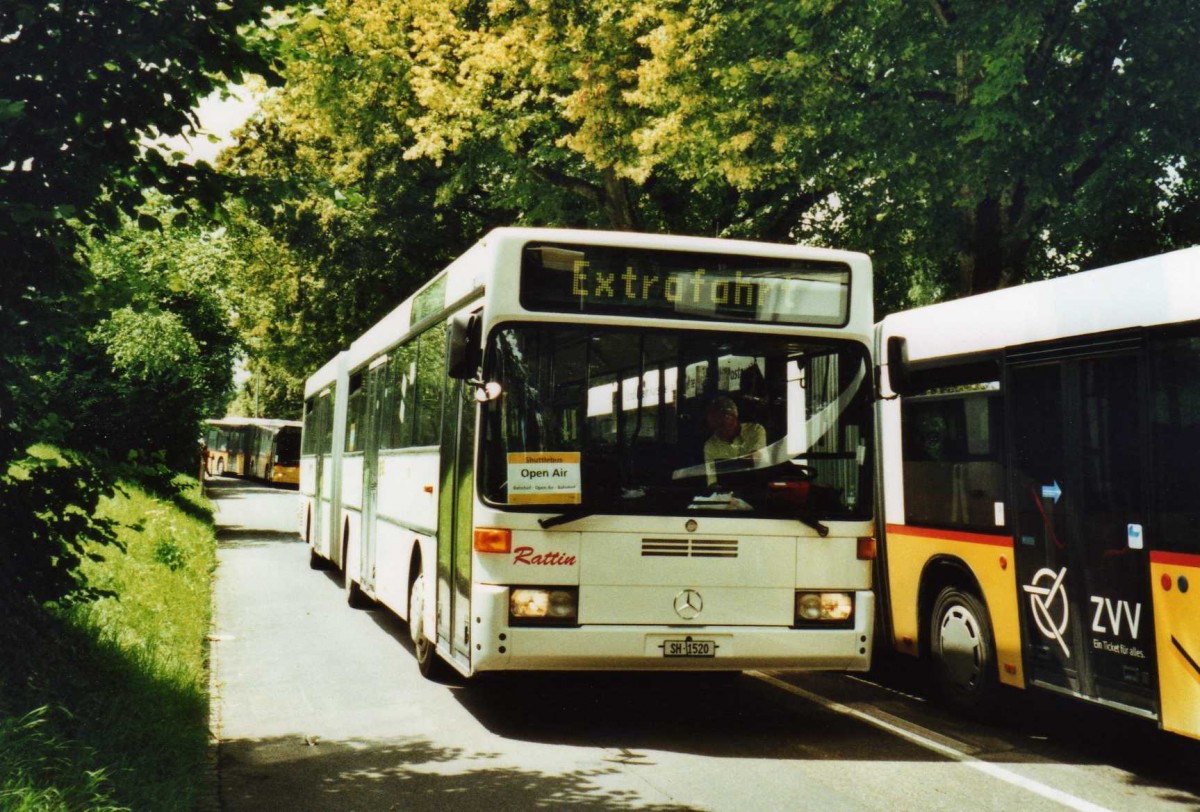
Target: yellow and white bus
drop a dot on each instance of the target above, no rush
(1040, 512)
(514, 459)
(254, 447)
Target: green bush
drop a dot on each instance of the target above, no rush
(50, 502)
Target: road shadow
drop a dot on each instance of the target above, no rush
(733, 716)
(229, 487)
(298, 774)
(738, 716)
(224, 489)
(238, 537)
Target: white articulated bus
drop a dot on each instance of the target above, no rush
(592, 450)
(321, 461)
(1042, 495)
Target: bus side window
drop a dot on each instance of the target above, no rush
(953, 475)
(310, 426)
(1175, 429)
(354, 413)
(404, 385)
(325, 421)
(431, 367)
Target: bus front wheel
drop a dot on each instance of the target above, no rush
(963, 653)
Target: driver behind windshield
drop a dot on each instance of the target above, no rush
(729, 436)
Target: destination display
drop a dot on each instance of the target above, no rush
(546, 478)
(684, 285)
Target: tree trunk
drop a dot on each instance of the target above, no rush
(997, 246)
(616, 198)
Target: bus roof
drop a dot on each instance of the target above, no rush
(246, 422)
(1163, 289)
(329, 373)
(671, 242)
(466, 276)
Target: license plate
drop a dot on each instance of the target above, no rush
(689, 648)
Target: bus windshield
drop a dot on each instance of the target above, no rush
(594, 419)
(287, 446)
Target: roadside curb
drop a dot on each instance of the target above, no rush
(210, 797)
(210, 794)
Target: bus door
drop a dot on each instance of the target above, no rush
(314, 432)
(1078, 497)
(455, 525)
(377, 383)
(324, 520)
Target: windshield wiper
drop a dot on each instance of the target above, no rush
(570, 516)
(815, 524)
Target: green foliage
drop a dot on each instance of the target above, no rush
(143, 346)
(38, 772)
(354, 208)
(168, 553)
(81, 86)
(104, 705)
(56, 528)
(965, 146)
(156, 354)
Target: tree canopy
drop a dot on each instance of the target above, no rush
(964, 145)
(81, 85)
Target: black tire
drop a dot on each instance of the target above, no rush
(355, 597)
(429, 662)
(315, 561)
(963, 653)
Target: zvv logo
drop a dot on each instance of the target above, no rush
(1133, 616)
(1047, 602)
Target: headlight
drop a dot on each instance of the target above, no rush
(543, 603)
(824, 607)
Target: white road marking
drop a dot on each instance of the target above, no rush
(1008, 776)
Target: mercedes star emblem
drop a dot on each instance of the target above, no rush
(688, 604)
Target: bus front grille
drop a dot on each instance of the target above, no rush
(690, 548)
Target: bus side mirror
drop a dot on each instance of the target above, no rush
(463, 350)
(899, 380)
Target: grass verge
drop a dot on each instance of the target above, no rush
(104, 705)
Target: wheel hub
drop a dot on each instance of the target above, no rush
(960, 646)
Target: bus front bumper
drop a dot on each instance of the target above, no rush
(497, 646)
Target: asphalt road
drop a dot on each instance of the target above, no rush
(319, 706)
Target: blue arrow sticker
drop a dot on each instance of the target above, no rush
(1052, 492)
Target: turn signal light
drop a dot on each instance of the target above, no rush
(866, 548)
(493, 540)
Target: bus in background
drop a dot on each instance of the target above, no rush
(256, 448)
(591, 450)
(1040, 525)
